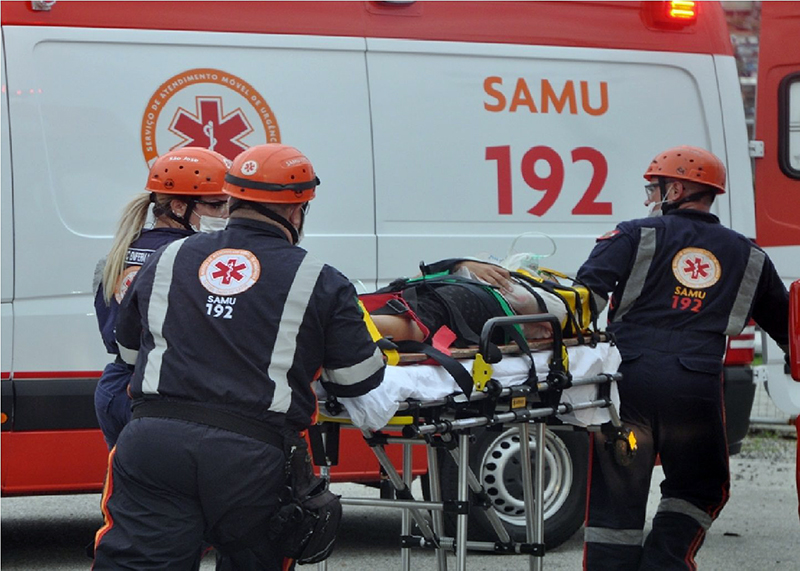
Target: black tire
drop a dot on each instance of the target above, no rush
(494, 458)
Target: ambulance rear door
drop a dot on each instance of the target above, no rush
(477, 143)
(778, 171)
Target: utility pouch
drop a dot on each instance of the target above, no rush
(307, 522)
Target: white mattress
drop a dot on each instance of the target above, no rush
(430, 382)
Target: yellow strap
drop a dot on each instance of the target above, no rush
(392, 355)
(565, 357)
(394, 421)
(481, 372)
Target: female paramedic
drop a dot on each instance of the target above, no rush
(184, 187)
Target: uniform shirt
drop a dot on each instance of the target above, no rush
(684, 271)
(243, 321)
(140, 249)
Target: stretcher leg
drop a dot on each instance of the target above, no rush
(405, 526)
(403, 491)
(325, 474)
(436, 496)
(533, 498)
(463, 499)
(475, 486)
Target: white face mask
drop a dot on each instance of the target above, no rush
(210, 224)
(655, 209)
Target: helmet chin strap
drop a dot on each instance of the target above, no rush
(182, 220)
(667, 206)
(272, 216)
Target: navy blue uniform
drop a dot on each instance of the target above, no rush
(111, 402)
(235, 324)
(679, 284)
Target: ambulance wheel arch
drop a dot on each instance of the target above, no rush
(494, 458)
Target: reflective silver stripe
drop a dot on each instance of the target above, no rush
(600, 302)
(747, 290)
(356, 373)
(613, 536)
(156, 312)
(127, 355)
(677, 505)
(641, 266)
(286, 341)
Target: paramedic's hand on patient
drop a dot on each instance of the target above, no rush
(491, 274)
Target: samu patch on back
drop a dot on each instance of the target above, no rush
(229, 271)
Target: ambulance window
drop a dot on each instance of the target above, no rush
(789, 125)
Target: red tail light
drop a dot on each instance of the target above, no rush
(741, 348)
(675, 15)
(683, 11)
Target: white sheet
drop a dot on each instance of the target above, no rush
(429, 382)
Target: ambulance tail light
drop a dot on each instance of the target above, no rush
(741, 348)
(674, 15)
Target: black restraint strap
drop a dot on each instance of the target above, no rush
(457, 371)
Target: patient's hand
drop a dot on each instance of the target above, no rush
(491, 274)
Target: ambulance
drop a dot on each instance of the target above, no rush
(438, 129)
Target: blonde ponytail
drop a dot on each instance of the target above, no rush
(130, 227)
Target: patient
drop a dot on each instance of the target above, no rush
(434, 308)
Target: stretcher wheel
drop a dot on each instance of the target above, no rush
(494, 457)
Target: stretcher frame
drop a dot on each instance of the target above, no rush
(429, 423)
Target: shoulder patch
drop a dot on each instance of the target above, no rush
(229, 271)
(608, 235)
(125, 281)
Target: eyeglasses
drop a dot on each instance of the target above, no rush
(306, 208)
(214, 204)
(651, 188)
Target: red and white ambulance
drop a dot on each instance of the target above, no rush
(439, 129)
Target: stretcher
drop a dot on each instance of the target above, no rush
(514, 386)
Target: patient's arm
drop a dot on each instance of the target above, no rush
(490, 273)
(398, 328)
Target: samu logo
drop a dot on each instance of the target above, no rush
(207, 108)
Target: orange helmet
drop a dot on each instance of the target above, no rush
(271, 173)
(191, 171)
(689, 163)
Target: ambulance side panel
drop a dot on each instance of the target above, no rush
(81, 143)
(476, 144)
(79, 159)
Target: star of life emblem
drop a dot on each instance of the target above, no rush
(125, 281)
(696, 268)
(229, 271)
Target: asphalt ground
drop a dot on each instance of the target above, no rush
(759, 529)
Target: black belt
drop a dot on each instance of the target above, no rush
(210, 417)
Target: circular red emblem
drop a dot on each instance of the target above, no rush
(696, 268)
(229, 271)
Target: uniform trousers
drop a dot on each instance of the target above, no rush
(674, 404)
(175, 485)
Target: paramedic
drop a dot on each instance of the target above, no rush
(184, 188)
(228, 330)
(679, 283)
